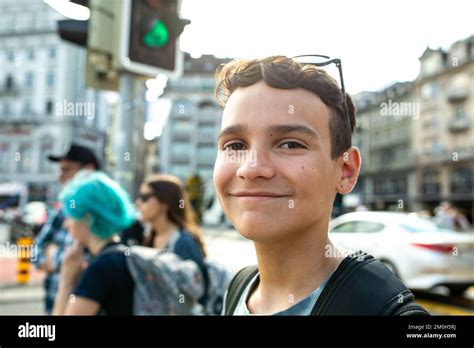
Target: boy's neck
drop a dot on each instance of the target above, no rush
(290, 270)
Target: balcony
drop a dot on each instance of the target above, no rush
(456, 95)
(20, 118)
(207, 137)
(458, 125)
(445, 156)
(11, 91)
(181, 134)
(180, 158)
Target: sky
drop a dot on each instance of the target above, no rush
(379, 42)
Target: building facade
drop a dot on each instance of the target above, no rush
(417, 138)
(188, 145)
(385, 140)
(444, 142)
(44, 103)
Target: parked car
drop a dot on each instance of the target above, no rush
(422, 254)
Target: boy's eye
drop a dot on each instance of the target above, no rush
(234, 147)
(292, 145)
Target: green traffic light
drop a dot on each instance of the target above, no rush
(158, 36)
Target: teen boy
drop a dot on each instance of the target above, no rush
(284, 152)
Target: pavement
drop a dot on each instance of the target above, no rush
(9, 270)
(20, 299)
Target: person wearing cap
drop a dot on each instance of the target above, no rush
(97, 209)
(53, 237)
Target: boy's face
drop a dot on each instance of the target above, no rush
(274, 174)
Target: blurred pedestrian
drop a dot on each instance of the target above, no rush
(460, 222)
(96, 210)
(444, 217)
(53, 237)
(171, 223)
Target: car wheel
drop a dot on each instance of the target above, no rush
(457, 290)
(391, 267)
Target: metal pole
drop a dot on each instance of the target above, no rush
(123, 133)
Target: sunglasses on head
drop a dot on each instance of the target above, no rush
(320, 60)
(145, 196)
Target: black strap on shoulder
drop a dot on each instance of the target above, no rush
(363, 285)
(237, 286)
(113, 249)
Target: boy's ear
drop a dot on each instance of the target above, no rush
(350, 162)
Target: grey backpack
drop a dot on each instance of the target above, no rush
(219, 279)
(165, 284)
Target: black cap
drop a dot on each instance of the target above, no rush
(78, 153)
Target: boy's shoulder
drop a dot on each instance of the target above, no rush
(361, 285)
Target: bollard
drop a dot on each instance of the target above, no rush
(24, 245)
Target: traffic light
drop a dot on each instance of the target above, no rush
(72, 30)
(139, 36)
(150, 37)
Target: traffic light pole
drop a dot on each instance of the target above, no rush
(124, 148)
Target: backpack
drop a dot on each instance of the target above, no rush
(165, 284)
(361, 285)
(218, 281)
(218, 278)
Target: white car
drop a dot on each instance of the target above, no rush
(418, 251)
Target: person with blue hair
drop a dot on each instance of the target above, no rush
(97, 209)
(54, 238)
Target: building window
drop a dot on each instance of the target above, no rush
(50, 79)
(459, 112)
(31, 54)
(49, 107)
(431, 183)
(27, 107)
(29, 80)
(6, 108)
(183, 107)
(9, 83)
(46, 147)
(429, 90)
(25, 158)
(52, 52)
(461, 181)
(4, 158)
(11, 56)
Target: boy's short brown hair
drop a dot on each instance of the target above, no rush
(285, 73)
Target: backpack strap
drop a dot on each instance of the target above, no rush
(363, 285)
(237, 286)
(114, 248)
